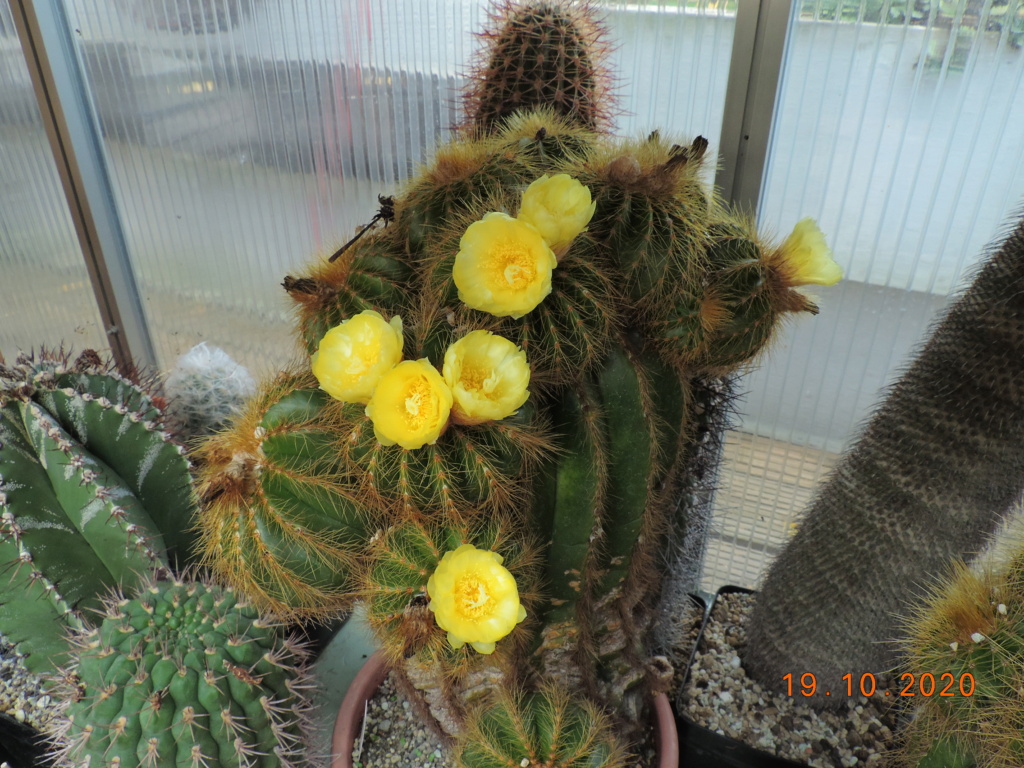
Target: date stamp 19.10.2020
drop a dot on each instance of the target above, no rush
(925, 684)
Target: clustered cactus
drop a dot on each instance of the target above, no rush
(505, 385)
(97, 501)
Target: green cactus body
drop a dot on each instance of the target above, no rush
(87, 483)
(469, 470)
(119, 425)
(370, 274)
(724, 319)
(183, 674)
(283, 523)
(655, 289)
(547, 728)
(968, 636)
(651, 214)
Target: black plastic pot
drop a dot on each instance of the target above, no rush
(20, 745)
(700, 747)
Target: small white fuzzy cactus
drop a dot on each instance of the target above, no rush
(205, 389)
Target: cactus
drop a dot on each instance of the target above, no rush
(968, 637)
(92, 492)
(281, 521)
(548, 727)
(585, 254)
(540, 54)
(183, 673)
(935, 471)
(204, 391)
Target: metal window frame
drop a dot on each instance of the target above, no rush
(755, 73)
(72, 131)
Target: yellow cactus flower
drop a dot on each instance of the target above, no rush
(410, 406)
(352, 357)
(488, 376)
(503, 266)
(474, 598)
(559, 207)
(806, 259)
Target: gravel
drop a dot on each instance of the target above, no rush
(394, 736)
(22, 695)
(720, 696)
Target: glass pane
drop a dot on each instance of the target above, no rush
(898, 128)
(45, 294)
(246, 136)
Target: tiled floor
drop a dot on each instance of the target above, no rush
(764, 485)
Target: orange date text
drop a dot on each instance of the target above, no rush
(925, 684)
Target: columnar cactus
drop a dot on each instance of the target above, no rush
(93, 495)
(935, 472)
(183, 673)
(512, 373)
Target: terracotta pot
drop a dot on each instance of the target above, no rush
(369, 678)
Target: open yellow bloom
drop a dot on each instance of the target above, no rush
(488, 376)
(410, 406)
(559, 207)
(806, 259)
(352, 357)
(474, 598)
(503, 266)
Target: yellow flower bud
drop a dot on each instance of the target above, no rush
(410, 406)
(474, 598)
(488, 376)
(503, 266)
(559, 207)
(806, 259)
(352, 357)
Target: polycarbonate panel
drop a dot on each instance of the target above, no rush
(45, 295)
(247, 136)
(901, 136)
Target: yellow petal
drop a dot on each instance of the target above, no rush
(488, 376)
(806, 259)
(560, 208)
(503, 266)
(410, 406)
(474, 598)
(353, 357)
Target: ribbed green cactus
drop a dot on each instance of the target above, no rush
(965, 646)
(548, 728)
(282, 520)
(186, 674)
(624, 284)
(91, 492)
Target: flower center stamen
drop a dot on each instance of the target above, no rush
(474, 599)
(515, 266)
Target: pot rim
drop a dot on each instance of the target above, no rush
(353, 707)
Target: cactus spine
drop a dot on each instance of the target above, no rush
(577, 489)
(968, 636)
(187, 674)
(933, 474)
(91, 492)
